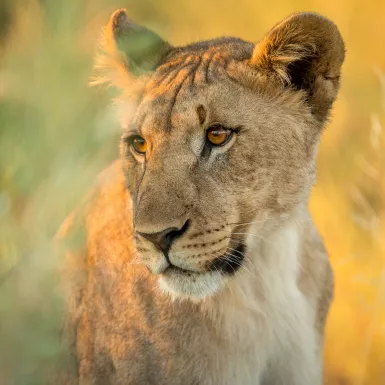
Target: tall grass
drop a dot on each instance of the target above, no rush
(56, 134)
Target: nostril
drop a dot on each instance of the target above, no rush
(182, 230)
(162, 240)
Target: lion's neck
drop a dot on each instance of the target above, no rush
(267, 284)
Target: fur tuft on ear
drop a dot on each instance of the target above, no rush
(305, 51)
(126, 51)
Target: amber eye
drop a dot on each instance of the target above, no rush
(218, 135)
(139, 145)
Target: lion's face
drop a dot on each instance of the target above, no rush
(206, 193)
(220, 151)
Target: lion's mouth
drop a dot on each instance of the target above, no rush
(195, 284)
(227, 264)
(171, 269)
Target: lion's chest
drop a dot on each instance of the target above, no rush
(188, 349)
(241, 355)
(238, 366)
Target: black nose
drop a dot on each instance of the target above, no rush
(164, 239)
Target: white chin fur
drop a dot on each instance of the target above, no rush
(196, 287)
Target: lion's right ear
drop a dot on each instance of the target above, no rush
(127, 51)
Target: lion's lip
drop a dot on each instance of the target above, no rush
(165, 267)
(175, 269)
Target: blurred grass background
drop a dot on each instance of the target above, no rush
(56, 135)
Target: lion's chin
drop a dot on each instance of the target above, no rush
(193, 286)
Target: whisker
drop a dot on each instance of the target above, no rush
(252, 234)
(237, 224)
(257, 236)
(226, 283)
(139, 277)
(241, 242)
(247, 258)
(239, 264)
(135, 261)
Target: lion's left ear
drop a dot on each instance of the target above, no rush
(127, 51)
(306, 52)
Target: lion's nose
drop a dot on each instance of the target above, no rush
(163, 240)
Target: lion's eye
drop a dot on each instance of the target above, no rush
(218, 135)
(139, 144)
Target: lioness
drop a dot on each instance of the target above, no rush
(202, 264)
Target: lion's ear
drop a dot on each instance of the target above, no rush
(127, 51)
(306, 52)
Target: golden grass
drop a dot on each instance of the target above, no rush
(55, 135)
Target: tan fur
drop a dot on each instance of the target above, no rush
(139, 322)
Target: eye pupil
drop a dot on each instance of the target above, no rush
(139, 144)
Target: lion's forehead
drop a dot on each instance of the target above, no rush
(216, 78)
(198, 64)
(184, 78)
(188, 72)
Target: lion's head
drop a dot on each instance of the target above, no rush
(223, 142)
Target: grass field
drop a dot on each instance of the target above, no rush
(56, 134)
